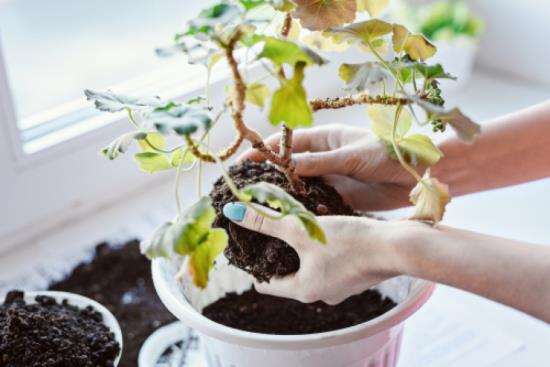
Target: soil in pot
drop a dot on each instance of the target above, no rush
(51, 334)
(258, 254)
(252, 311)
(119, 277)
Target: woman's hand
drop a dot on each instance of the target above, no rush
(352, 160)
(358, 255)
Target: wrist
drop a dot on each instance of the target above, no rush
(408, 242)
(454, 169)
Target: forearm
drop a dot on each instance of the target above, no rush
(509, 272)
(512, 149)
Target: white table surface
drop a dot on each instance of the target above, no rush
(520, 212)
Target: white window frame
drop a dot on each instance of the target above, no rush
(46, 189)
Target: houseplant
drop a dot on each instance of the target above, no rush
(398, 88)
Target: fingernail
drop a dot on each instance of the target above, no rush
(234, 211)
(293, 160)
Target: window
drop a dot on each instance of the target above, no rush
(53, 49)
(49, 134)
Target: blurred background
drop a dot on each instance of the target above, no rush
(56, 192)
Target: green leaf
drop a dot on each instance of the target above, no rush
(193, 226)
(366, 31)
(431, 71)
(382, 118)
(258, 94)
(111, 102)
(284, 51)
(419, 47)
(283, 5)
(154, 139)
(360, 77)
(317, 15)
(159, 244)
(289, 104)
(466, 129)
(419, 150)
(181, 119)
(178, 158)
(219, 15)
(202, 259)
(251, 4)
(152, 162)
(121, 144)
(277, 198)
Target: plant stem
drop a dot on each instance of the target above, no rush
(400, 157)
(342, 102)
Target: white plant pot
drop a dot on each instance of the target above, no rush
(81, 302)
(375, 343)
(457, 57)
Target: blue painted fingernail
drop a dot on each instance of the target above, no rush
(234, 211)
(293, 160)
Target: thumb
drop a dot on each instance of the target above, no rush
(260, 219)
(333, 162)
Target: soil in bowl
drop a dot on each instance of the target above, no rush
(119, 277)
(52, 334)
(258, 254)
(255, 312)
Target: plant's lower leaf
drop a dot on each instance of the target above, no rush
(419, 150)
(152, 162)
(181, 119)
(430, 197)
(360, 77)
(279, 199)
(466, 129)
(122, 144)
(382, 118)
(366, 31)
(160, 244)
(152, 142)
(111, 102)
(179, 158)
(202, 260)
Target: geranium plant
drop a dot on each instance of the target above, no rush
(400, 87)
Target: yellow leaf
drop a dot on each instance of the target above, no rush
(320, 41)
(430, 197)
(295, 31)
(419, 47)
(321, 14)
(419, 150)
(400, 35)
(201, 261)
(154, 139)
(366, 31)
(382, 118)
(373, 7)
(257, 93)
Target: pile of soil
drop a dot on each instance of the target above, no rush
(49, 334)
(252, 311)
(258, 254)
(119, 277)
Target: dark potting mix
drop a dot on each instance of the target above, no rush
(260, 255)
(119, 277)
(52, 334)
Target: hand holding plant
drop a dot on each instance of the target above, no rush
(399, 88)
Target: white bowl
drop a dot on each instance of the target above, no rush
(375, 343)
(81, 302)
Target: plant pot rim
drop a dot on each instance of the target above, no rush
(420, 293)
(79, 301)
